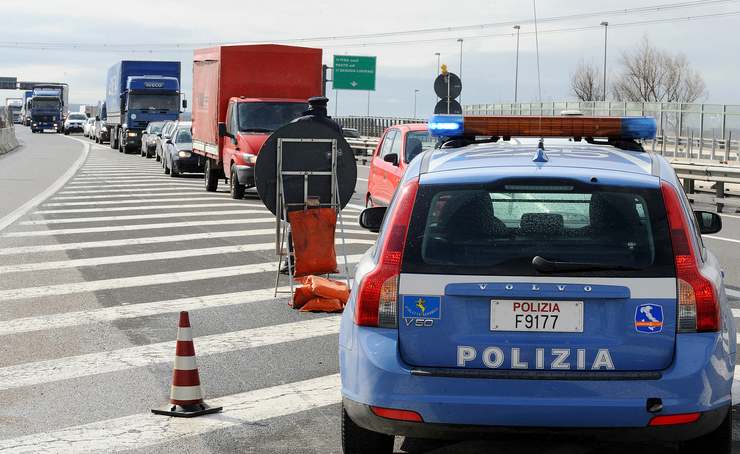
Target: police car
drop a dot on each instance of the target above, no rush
(557, 286)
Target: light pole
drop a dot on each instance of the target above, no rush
(606, 28)
(516, 68)
(436, 72)
(416, 91)
(460, 40)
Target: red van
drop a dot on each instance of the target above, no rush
(398, 146)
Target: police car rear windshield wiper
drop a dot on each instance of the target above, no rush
(546, 266)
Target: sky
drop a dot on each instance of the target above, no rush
(94, 39)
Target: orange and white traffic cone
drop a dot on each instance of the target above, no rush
(186, 399)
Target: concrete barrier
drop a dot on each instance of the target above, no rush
(7, 140)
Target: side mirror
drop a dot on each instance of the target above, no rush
(184, 103)
(392, 158)
(221, 129)
(708, 222)
(372, 218)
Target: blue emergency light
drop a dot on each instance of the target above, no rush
(628, 128)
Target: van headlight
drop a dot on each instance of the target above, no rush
(132, 134)
(184, 154)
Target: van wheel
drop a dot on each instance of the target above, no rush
(718, 441)
(356, 440)
(210, 176)
(237, 190)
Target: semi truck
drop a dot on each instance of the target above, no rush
(14, 107)
(139, 92)
(240, 95)
(48, 106)
(26, 112)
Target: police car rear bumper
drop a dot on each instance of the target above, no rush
(364, 417)
(373, 373)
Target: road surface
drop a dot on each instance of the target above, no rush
(92, 279)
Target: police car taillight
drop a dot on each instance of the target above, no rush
(698, 307)
(377, 300)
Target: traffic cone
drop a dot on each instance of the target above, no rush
(186, 399)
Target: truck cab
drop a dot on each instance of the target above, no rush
(249, 122)
(46, 109)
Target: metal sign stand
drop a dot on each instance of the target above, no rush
(282, 226)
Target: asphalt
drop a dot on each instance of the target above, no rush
(86, 331)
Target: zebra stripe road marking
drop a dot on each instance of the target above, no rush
(148, 256)
(130, 201)
(142, 207)
(151, 240)
(134, 185)
(142, 281)
(71, 367)
(141, 216)
(140, 197)
(146, 429)
(173, 188)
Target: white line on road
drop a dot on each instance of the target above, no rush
(732, 293)
(140, 197)
(46, 193)
(140, 207)
(136, 185)
(131, 201)
(142, 430)
(142, 281)
(712, 237)
(66, 368)
(142, 216)
(152, 240)
(131, 227)
(109, 314)
(173, 188)
(149, 256)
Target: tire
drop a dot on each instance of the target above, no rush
(357, 440)
(119, 142)
(369, 201)
(66, 132)
(210, 176)
(235, 188)
(157, 156)
(112, 140)
(718, 441)
(173, 171)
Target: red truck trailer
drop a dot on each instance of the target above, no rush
(240, 95)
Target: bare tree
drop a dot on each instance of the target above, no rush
(585, 82)
(649, 74)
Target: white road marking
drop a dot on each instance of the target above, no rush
(46, 193)
(150, 256)
(145, 280)
(712, 237)
(142, 216)
(66, 368)
(729, 216)
(173, 188)
(142, 207)
(153, 240)
(146, 429)
(137, 185)
(732, 293)
(131, 227)
(131, 201)
(109, 314)
(362, 179)
(355, 206)
(140, 197)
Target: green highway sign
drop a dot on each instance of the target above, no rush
(9, 83)
(352, 72)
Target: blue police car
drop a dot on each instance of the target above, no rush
(556, 286)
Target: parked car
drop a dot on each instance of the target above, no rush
(101, 132)
(398, 146)
(74, 122)
(87, 127)
(559, 287)
(167, 129)
(149, 138)
(178, 152)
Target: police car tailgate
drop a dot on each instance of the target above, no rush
(470, 295)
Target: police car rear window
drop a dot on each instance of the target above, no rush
(499, 230)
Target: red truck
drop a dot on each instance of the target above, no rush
(240, 95)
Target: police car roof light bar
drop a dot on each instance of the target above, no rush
(629, 128)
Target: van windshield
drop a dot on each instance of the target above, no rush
(267, 116)
(500, 230)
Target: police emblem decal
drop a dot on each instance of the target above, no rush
(419, 306)
(649, 318)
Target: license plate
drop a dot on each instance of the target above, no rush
(537, 316)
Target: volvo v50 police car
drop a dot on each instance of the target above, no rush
(560, 287)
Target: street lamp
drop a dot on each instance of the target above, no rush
(416, 91)
(605, 24)
(516, 69)
(460, 40)
(436, 73)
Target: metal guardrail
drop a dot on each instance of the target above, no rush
(374, 126)
(719, 175)
(363, 147)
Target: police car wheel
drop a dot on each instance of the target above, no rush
(356, 440)
(718, 441)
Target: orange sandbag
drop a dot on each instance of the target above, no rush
(301, 296)
(313, 241)
(329, 288)
(319, 304)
